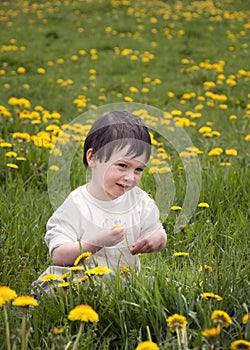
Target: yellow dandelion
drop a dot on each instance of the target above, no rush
(247, 137)
(54, 168)
(124, 270)
(41, 70)
(7, 294)
(215, 151)
(207, 268)
(176, 207)
(81, 280)
(221, 318)
(181, 254)
(245, 318)
(225, 164)
(128, 99)
(83, 313)
(176, 322)
(83, 256)
(13, 166)
(51, 277)
(58, 330)
(76, 268)
(209, 296)
(11, 154)
(25, 300)
(240, 345)
(21, 70)
(211, 332)
(99, 270)
(231, 152)
(203, 205)
(63, 285)
(147, 345)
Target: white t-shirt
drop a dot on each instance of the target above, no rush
(81, 216)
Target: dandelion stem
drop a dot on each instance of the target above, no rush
(178, 339)
(78, 337)
(7, 328)
(149, 334)
(24, 336)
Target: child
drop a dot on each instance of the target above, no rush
(110, 216)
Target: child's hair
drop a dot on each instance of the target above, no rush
(116, 130)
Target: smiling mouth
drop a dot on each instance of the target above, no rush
(123, 187)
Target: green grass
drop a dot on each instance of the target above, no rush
(175, 47)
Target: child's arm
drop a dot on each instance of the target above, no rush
(66, 253)
(151, 243)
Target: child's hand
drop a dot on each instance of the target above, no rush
(150, 244)
(110, 236)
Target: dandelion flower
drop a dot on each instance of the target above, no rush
(176, 207)
(25, 300)
(240, 345)
(221, 318)
(215, 151)
(99, 270)
(58, 330)
(63, 285)
(11, 154)
(209, 296)
(245, 318)
(203, 205)
(207, 268)
(13, 166)
(41, 70)
(147, 345)
(7, 294)
(181, 254)
(211, 332)
(51, 277)
(231, 152)
(176, 322)
(54, 168)
(76, 268)
(83, 256)
(123, 270)
(83, 313)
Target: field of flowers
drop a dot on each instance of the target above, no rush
(183, 66)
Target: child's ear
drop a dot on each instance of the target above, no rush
(90, 157)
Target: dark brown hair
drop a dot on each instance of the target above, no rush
(116, 130)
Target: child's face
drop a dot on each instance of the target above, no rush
(118, 175)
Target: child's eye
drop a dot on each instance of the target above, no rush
(139, 170)
(122, 165)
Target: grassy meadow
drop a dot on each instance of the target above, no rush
(189, 60)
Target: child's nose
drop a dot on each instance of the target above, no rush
(129, 176)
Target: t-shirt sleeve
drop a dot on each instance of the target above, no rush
(63, 226)
(150, 221)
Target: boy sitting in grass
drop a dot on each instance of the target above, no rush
(110, 216)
